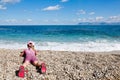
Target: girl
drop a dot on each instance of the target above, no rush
(30, 57)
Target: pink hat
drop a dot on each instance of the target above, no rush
(31, 43)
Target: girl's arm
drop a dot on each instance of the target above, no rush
(22, 53)
(35, 52)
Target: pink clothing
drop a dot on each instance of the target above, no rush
(30, 55)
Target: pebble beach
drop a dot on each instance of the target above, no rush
(63, 65)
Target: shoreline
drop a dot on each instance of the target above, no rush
(64, 65)
(99, 52)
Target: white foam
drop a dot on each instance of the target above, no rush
(11, 45)
(97, 46)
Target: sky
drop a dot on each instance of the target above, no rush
(58, 12)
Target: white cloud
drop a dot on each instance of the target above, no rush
(74, 20)
(56, 20)
(51, 8)
(91, 13)
(99, 18)
(29, 20)
(114, 19)
(64, 0)
(96, 19)
(83, 19)
(2, 7)
(10, 1)
(3, 3)
(81, 12)
(11, 21)
(46, 20)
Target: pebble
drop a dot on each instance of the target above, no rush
(63, 66)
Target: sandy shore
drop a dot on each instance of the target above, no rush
(63, 65)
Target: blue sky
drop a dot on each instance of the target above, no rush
(58, 12)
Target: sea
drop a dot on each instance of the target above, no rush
(85, 38)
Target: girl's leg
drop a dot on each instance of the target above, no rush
(36, 63)
(41, 65)
(22, 70)
(26, 63)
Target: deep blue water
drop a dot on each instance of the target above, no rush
(61, 34)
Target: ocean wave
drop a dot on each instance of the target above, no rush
(90, 46)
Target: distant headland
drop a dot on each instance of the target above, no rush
(99, 23)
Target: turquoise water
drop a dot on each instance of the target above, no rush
(63, 37)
